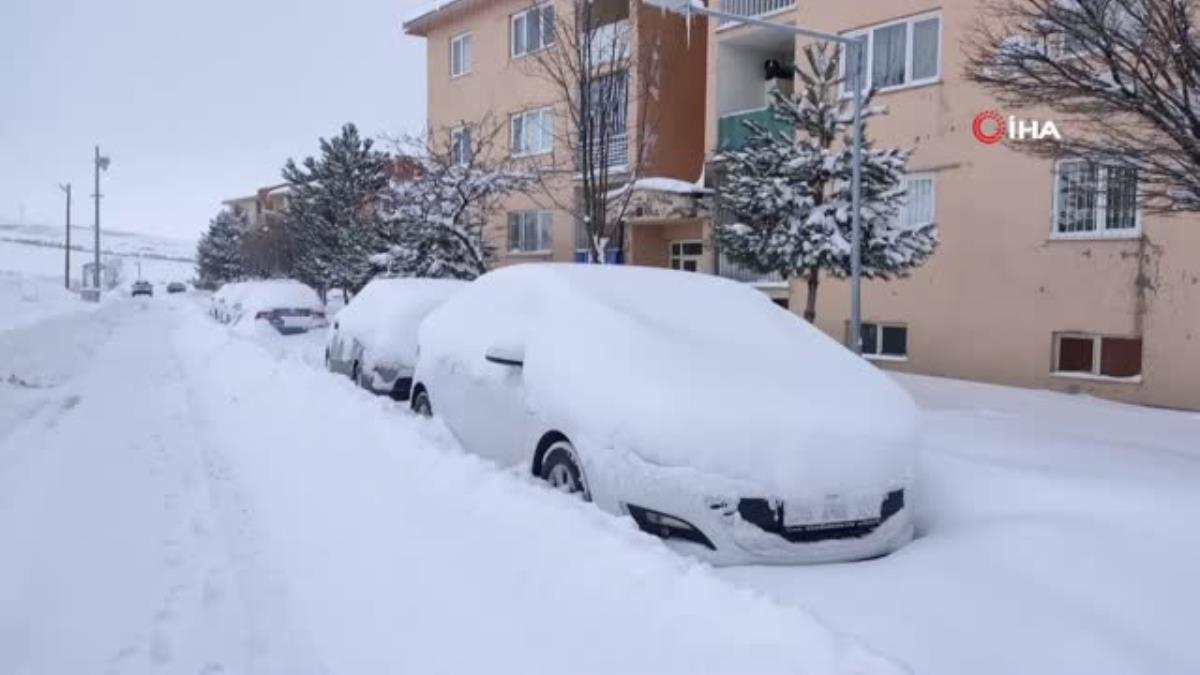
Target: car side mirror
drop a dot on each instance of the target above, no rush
(506, 354)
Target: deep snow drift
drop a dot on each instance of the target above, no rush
(185, 498)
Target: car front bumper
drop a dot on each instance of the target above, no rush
(726, 522)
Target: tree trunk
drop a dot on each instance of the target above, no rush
(810, 305)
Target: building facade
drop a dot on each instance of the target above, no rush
(1047, 275)
(482, 72)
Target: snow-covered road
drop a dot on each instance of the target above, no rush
(179, 498)
(176, 497)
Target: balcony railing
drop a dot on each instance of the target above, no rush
(753, 7)
(611, 151)
(731, 270)
(732, 132)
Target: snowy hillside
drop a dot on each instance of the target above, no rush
(114, 242)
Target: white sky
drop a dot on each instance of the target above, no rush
(194, 100)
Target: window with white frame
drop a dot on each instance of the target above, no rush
(460, 146)
(460, 55)
(1094, 355)
(920, 203)
(532, 132)
(898, 54)
(529, 231)
(1092, 199)
(884, 340)
(532, 30)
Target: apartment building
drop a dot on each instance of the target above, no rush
(481, 72)
(265, 204)
(1047, 275)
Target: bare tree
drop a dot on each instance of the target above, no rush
(604, 86)
(1122, 78)
(445, 186)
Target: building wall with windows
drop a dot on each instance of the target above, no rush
(1045, 276)
(479, 68)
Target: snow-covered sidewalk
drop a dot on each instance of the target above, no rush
(184, 499)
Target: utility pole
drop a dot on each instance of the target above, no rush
(101, 164)
(67, 249)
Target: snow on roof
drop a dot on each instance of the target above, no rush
(661, 184)
(413, 24)
(385, 314)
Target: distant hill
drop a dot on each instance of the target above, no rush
(112, 242)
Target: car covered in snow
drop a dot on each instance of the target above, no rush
(176, 287)
(718, 421)
(223, 299)
(142, 287)
(373, 340)
(288, 306)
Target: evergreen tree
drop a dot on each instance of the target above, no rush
(790, 195)
(332, 222)
(219, 253)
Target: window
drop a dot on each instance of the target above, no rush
(532, 30)
(1085, 354)
(460, 146)
(460, 55)
(884, 341)
(686, 255)
(529, 231)
(899, 54)
(532, 132)
(1094, 200)
(1063, 46)
(920, 202)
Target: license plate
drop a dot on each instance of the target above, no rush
(836, 508)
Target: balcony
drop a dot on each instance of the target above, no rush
(753, 7)
(736, 272)
(609, 151)
(732, 132)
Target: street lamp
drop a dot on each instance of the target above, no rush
(855, 47)
(101, 163)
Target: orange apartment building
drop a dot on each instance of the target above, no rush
(1047, 274)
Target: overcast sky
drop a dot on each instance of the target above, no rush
(195, 101)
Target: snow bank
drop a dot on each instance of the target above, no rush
(384, 317)
(685, 370)
(401, 554)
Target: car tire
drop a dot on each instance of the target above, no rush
(421, 405)
(355, 375)
(562, 470)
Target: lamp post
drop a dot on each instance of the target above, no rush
(101, 163)
(855, 47)
(67, 248)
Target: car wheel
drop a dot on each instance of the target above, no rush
(561, 469)
(421, 404)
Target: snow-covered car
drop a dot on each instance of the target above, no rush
(223, 299)
(176, 287)
(727, 426)
(374, 338)
(289, 306)
(141, 287)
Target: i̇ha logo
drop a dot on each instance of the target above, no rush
(990, 128)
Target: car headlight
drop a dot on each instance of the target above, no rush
(667, 526)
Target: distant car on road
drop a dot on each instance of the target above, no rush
(141, 287)
(176, 287)
(289, 306)
(727, 426)
(374, 338)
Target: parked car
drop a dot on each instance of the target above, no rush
(141, 287)
(718, 421)
(176, 287)
(223, 299)
(289, 306)
(374, 338)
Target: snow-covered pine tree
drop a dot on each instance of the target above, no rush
(219, 253)
(787, 197)
(333, 218)
(439, 208)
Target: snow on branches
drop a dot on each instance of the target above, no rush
(787, 196)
